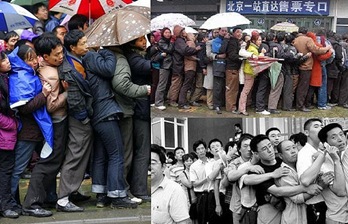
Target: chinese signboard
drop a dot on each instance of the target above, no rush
(304, 7)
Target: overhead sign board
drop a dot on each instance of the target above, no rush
(279, 7)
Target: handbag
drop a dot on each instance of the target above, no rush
(193, 206)
(219, 67)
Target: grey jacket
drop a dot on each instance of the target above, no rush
(125, 90)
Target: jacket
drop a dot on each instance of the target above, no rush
(100, 68)
(233, 61)
(79, 94)
(180, 51)
(247, 67)
(125, 90)
(304, 44)
(316, 74)
(190, 62)
(141, 75)
(56, 100)
(334, 68)
(167, 47)
(8, 123)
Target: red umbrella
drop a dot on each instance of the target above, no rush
(90, 8)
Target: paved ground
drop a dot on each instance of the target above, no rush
(91, 215)
(203, 111)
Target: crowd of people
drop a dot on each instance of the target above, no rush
(79, 109)
(216, 64)
(267, 178)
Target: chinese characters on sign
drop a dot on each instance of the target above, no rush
(304, 7)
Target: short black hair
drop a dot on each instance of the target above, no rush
(229, 144)
(215, 140)
(269, 36)
(10, 35)
(299, 138)
(242, 138)
(256, 140)
(77, 21)
(35, 8)
(21, 42)
(280, 36)
(323, 132)
(197, 143)
(179, 148)
(187, 156)
(45, 43)
(272, 129)
(55, 29)
(309, 122)
(303, 30)
(158, 150)
(72, 38)
(280, 146)
(235, 29)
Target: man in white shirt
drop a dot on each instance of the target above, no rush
(168, 199)
(335, 195)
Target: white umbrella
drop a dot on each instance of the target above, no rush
(285, 26)
(190, 30)
(226, 19)
(170, 20)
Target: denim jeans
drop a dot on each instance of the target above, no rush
(23, 152)
(108, 160)
(322, 92)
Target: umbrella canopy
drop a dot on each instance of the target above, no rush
(90, 8)
(190, 30)
(285, 26)
(145, 3)
(170, 20)
(226, 19)
(14, 17)
(119, 26)
(27, 2)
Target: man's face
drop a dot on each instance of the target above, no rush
(336, 137)
(223, 31)
(56, 56)
(275, 137)
(238, 34)
(245, 151)
(201, 150)
(11, 42)
(215, 147)
(289, 152)
(265, 150)
(81, 47)
(42, 13)
(61, 32)
(178, 154)
(156, 167)
(314, 129)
